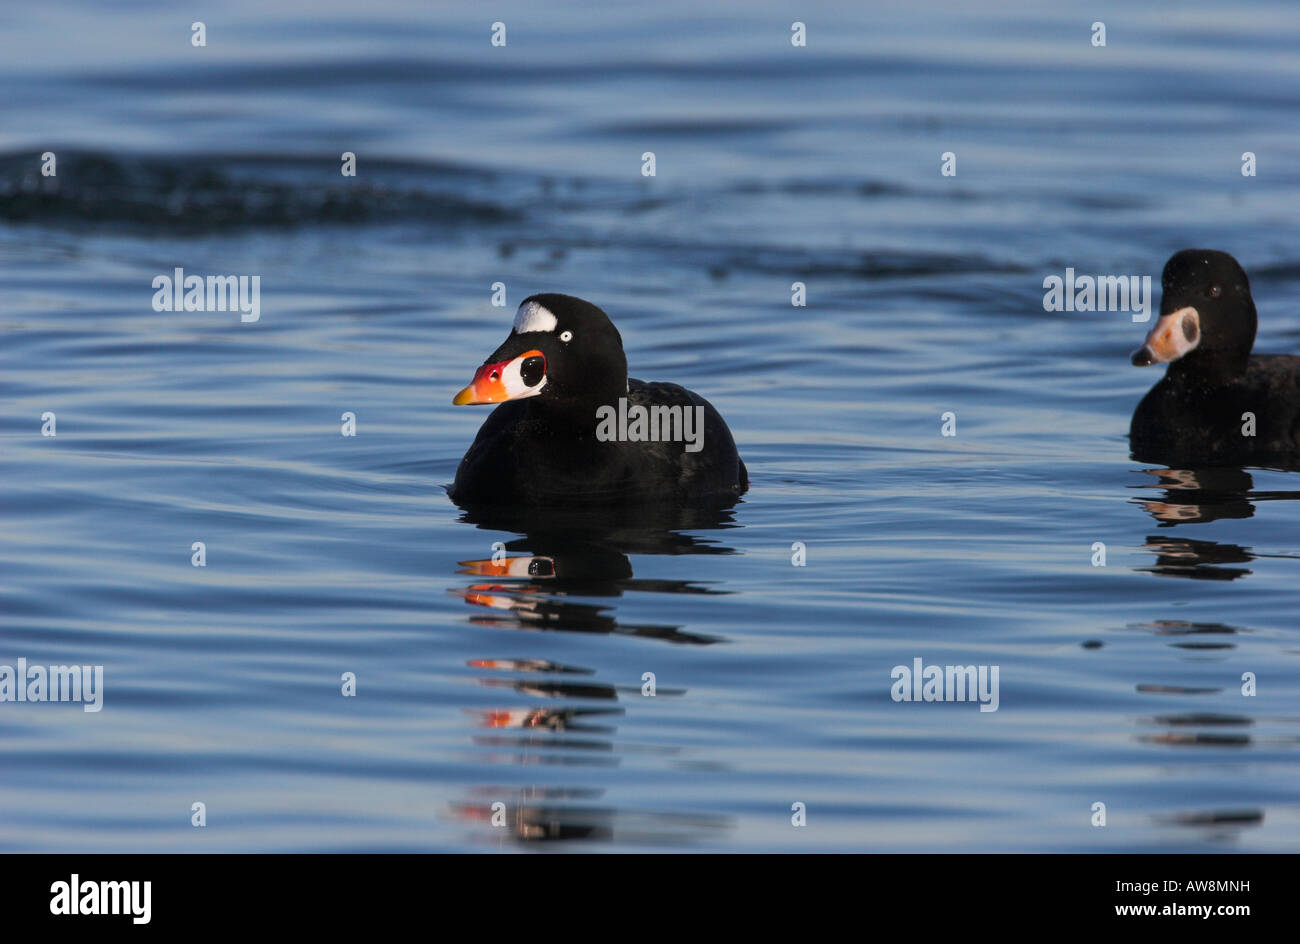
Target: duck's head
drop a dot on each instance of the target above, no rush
(1207, 317)
(561, 348)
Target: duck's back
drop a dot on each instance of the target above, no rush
(1185, 421)
(526, 454)
(714, 468)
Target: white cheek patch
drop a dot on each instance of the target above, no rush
(1174, 335)
(512, 379)
(534, 317)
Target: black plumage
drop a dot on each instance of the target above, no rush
(542, 448)
(1214, 395)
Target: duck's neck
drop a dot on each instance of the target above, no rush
(577, 414)
(1209, 368)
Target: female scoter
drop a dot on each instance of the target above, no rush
(1216, 404)
(573, 428)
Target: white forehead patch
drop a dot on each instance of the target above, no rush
(534, 317)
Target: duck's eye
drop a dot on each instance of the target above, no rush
(1216, 291)
(541, 567)
(495, 375)
(566, 336)
(532, 370)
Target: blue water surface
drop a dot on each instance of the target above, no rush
(479, 693)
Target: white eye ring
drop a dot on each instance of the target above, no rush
(566, 336)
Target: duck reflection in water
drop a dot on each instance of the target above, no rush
(552, 578)
(1198, 496)
(584, 553)
(1196, 560)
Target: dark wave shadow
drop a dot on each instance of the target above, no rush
(1226, 826)
(197, 193)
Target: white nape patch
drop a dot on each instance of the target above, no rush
(534, 317)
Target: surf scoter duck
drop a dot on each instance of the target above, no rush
(573, 428)
(1214, 393)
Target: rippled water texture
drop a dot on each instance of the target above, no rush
(521, 683)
